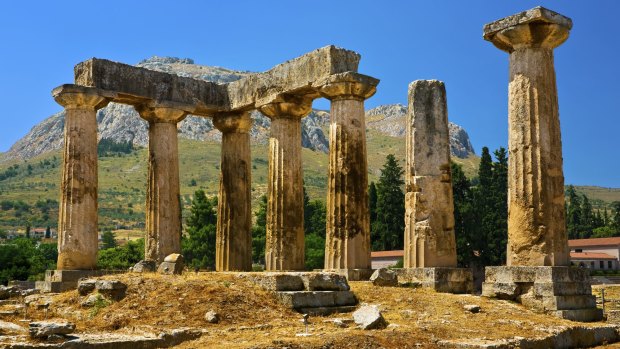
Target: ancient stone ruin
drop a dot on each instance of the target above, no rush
(285, 94)
(537, 271)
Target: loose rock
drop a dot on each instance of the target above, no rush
(473, 308)
(145, 267)
(86, 286)
(43, 329)
(212, 317)
(368, 317)
(172, 265)
(91, 300)
(384, 277)
(113, 289)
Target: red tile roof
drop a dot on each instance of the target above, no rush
(594, 242)
(590, 255)
(380, 254)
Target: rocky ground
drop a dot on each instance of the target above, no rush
(250, 317)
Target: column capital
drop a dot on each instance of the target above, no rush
(287, 106)
(535, 28)
(233, 122)
(161, 112)
(80, 97)
(348, 85)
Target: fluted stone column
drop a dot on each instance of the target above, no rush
(163, 207)
(77, 221)
(234, 219)
(429, 216)
(347, 243)
(536, 223)
(285, 209)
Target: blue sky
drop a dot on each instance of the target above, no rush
(400, 41)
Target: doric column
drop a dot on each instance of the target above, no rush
(77, 221)
(536, 224)
(429, 208)
(163, 207)
(234, 218)
(347, 242)
(285, 208)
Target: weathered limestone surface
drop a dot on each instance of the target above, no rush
(234, 236)
(440, 279)
(163, 210)
(296, 76)
(561, 291)
(429, 216)
(77, 222)
(347, 244)
(138, 85)
(536, 222)
(135, 86)
(285, 212)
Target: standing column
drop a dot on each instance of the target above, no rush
(234, 218)
(77, 220)
(285, 207)
(347, 241)
(536, 224)
(163, 206)
(429, 216)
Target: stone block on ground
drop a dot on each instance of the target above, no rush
(86, 286)
(324, 282)
(43, 329)
(440, 279)
(7, 328)
(172, 265)
(316, 299)
(368, 317)
(145, 267)
(561, 291)
(113, 289)
(384, 277)
(278, 281)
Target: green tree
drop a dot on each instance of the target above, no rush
(199, 245)
(25, 259)
(615, 217)
(587, 218)
(314, 251)
(573, 212)
(259, 232)
(463, 215)
(121, 257)
(108, 240)
(372, 202)
(388, 228)
(314, 231)
(48, 232)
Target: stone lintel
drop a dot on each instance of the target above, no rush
(134, 85)
(70, 96)
(296, 76)
(347, 85)
(535, 27)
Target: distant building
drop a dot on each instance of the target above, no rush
(384, 259)
(597, 253)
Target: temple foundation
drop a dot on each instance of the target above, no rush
(537, 272)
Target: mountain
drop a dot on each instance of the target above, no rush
(122, 123)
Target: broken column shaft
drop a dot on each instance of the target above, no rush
(77, 221)
(234, 220)
(163, 207)
(284, 248)
(429, 216)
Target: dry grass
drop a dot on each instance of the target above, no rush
(251, 317)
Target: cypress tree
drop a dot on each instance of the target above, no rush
(199, 245)
(463, 215)
(388, 228)
(372, 202)
(259, 232)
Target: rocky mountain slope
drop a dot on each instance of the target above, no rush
(122, 123)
